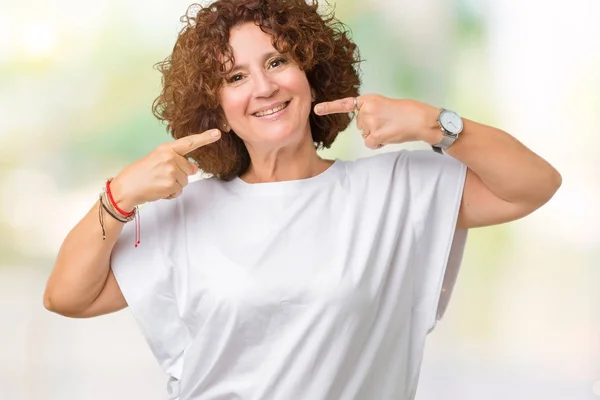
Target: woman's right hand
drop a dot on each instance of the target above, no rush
(162, 174)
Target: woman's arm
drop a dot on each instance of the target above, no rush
(81, 283)
(505, 180)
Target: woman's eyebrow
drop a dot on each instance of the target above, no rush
(265, 57)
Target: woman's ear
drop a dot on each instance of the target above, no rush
(313, 96)
(225, 127)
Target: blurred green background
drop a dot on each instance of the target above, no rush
(76, 87)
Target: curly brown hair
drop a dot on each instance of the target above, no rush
(195, 71)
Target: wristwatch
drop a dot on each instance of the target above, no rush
(451, 125)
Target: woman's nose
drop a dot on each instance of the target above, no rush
(264, 86)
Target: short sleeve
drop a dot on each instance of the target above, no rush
(147, 279)
(436, 187)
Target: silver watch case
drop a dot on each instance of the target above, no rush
(451, 125)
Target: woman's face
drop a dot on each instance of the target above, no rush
(267, 98)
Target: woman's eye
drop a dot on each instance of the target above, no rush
(277, 62)
(235, 78)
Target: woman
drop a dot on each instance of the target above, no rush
(287, 276)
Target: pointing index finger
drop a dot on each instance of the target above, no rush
(189, 143)
(338, 106)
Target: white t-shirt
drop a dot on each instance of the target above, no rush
(316, 289)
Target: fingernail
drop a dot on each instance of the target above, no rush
(215, 133)
(318, 108)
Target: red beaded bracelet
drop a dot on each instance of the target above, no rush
(126, 215)
(114, 203)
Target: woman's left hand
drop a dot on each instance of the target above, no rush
(382, 120)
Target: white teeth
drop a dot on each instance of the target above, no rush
(271, 111)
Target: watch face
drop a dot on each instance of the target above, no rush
(451, 122)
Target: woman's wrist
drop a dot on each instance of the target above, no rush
(117, 204)
(120, 197)
(431, 132)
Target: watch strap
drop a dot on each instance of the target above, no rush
(447, 139)
(445, 142)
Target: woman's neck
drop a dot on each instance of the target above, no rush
(287, 163)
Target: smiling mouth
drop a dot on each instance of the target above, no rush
(272, 110)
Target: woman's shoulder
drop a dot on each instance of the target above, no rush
(399, 160)
(194, 193)
(378, 163)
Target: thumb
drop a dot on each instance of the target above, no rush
(194, 167)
